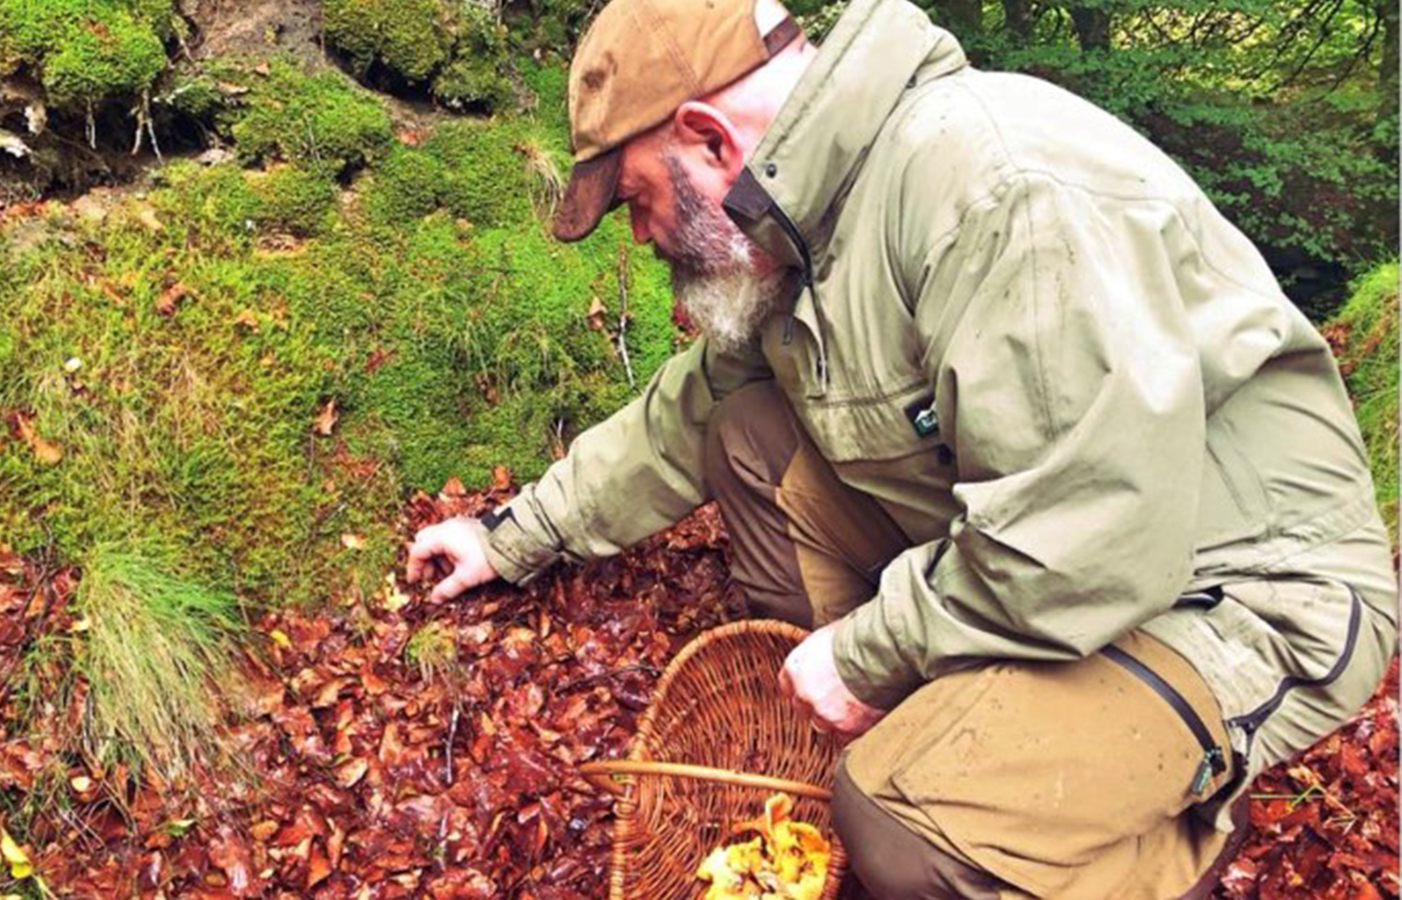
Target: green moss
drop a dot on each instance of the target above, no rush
(1370, 360)
(294, 199)
(87, 50)
(458, 50)
(472, 83)
(412, 37)
(196, 94)
(407, 186)
(550, 85)
(430, 305)
(318, 120)
(475, 78)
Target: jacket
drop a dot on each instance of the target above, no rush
(1073, 383)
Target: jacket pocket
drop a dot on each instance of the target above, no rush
(1214, 758)
(1251, 721)
(881, 426)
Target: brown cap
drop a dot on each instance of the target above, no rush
(638, 62)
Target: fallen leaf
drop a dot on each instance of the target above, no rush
(348, 774)
(352, 541)
(15, 857)
(596, 314)
(147, 216)
(170, 298)
(326, 419)
(46, 452)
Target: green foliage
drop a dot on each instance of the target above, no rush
(319, 120)
(86, 51)
(1367, 325)
(457, 49)
(157, 660)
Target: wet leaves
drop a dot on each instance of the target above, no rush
(1326, 826)
(373, 777)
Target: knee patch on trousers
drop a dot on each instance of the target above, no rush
(892, 861)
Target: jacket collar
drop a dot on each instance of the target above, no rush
(816, 144)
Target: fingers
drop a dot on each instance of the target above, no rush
(453, 585)
(428, 543)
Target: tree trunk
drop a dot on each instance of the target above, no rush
(1092, 28)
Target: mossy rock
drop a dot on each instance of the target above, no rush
(294, 199)
(319, 120)
(1365, 336)
(411, 37)
(457, 50)
(86, 51)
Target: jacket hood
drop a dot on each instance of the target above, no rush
(816, 144)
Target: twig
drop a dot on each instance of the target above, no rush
(448, 749)
(590, 679)
(623, 314)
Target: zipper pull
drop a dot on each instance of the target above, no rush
(788, 330)
(1212, 764)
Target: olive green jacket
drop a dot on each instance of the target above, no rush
(1075, 385)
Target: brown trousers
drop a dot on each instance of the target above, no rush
(1005, 780)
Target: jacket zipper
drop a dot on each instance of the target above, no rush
(1252, 721)
(790, 230)
(1214, 761)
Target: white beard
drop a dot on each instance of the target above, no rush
(716, 270)
(731, 305)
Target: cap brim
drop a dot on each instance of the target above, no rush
(589, 195)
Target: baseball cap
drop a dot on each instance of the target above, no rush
(638, 62)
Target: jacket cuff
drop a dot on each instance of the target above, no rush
(868, 661)
(519, 546)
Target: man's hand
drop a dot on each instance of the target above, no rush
(460, 542)
(810, 679)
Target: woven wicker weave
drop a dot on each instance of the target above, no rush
(716, 742)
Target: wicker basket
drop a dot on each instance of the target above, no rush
(716, 742)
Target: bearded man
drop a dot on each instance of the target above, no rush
(991, 396)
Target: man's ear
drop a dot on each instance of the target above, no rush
(709, 136)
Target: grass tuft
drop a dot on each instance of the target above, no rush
(157, 662)
(433, 650)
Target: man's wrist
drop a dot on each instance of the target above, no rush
(514, 548)
(873, 684)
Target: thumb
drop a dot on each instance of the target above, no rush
(785, 682)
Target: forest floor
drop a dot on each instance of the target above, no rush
(375, 766)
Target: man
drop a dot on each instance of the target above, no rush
(994, 398)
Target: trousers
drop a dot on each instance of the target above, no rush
(1004, 779)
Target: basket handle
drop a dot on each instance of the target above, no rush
(601, 775)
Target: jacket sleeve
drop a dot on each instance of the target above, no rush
(1070, 391)
(638, 471)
